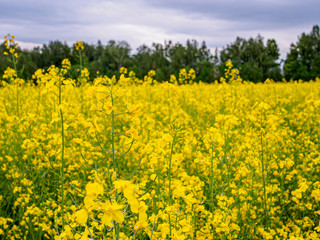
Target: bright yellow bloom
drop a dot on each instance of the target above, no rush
(79, 45)
(94, 189)
(112, 212)
(66, 64)
(81, 216)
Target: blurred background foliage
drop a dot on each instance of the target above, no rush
(255, 58)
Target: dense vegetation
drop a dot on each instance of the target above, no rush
(158, 161)
(134, 159)
(255, 59)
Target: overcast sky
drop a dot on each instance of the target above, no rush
(218, 23)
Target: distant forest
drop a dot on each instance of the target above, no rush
(257, 60)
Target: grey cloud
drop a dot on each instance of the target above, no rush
(267, 14)
(42, 12)
(147, 21)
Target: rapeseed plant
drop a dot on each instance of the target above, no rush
(126, 159)
(11, 47)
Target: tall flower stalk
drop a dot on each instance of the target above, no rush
(65, 66)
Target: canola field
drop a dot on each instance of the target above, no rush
(131, 159)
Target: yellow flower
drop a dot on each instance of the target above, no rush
(140, 225)
(107, 106)
(89, 201)
(81, 216)
(79, 45)
(123, 70)
(129, 191)
(316, 194)
(135, 110)
(66, 64)
(132, 133)
(167, 137)
(151, 73)
(112, 212)
(94, 189)
(107, 219)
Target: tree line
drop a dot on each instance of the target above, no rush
(255, 59)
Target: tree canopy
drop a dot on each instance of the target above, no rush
(255, 58)
(303, 60)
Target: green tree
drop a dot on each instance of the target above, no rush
(160, 62)
(142, 61)
(53, 54)
(114, 56)
(255, 60)
(3, 61)
(193, 56)
(303, 59)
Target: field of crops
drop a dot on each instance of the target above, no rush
(122, 159)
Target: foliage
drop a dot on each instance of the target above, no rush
(303, 60)
(165, 59)
(255, 60)
(126, 158)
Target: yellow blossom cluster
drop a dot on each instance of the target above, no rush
(185, 76)
(232, 75)
(11, 45)
(121, 159)
(79, 46)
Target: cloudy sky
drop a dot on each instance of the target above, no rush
(218, 23)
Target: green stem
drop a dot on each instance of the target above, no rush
(14, 60)
(169, 177)
(263, 178)
(18, 108)
(62, 155)
(211, 179)
(169, 105)
(80, 58)
(114, 163)
(81, 80)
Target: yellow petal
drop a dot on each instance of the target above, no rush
(81, 216)
(106, 219)
(117, 216)
(134, 205)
